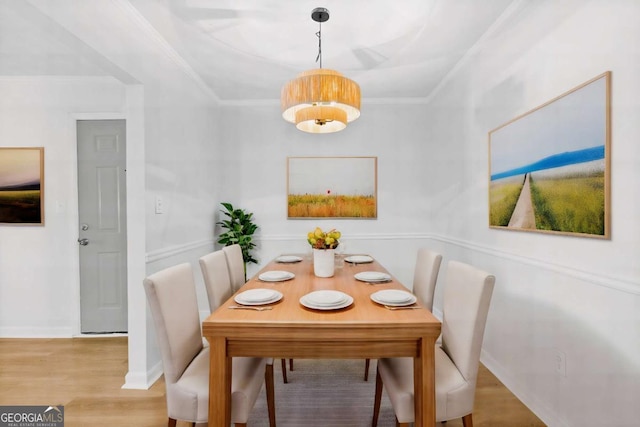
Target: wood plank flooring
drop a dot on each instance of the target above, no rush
(86, 375)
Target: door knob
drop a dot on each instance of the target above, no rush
(83, 242)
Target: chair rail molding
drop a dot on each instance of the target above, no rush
(176, 250)
(607, 281)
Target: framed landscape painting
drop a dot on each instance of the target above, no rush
(22, 185)
(550, 168)
(332, 187)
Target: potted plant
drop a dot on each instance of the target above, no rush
(240, 228)
(324, 245)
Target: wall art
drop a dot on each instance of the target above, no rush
(550, 168)
(22, 185)
(332, 187)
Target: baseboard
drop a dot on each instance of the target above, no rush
(542, 411)
(143, 380)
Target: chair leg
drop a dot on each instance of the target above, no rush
(366, 369)
(291, 364)
(240, 424)
(467, 421)
(284, 371)
(172, 422)
(377, 400)
(269, 386)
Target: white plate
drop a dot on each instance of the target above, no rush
(276, 276)
(372, 276)
(258, 295)
(326, 298)
(288, 259)
(248, 297)
(310, 304)
(393, 297)
(359, 259)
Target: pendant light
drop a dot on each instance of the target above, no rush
(320, 100)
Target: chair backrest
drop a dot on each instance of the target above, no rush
(171, 294)
(235, 261)
(425, 276)
(467, 295)
(216, 278)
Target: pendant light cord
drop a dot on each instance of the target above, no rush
(319, 35)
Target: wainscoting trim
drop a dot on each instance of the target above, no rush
(171, 251)
(615, 283)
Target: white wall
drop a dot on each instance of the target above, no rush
(176, 134)
(574, 295)
(38, 264)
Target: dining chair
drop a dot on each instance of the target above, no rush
(216, 268)
(235, 263)
(466, 300)
(173, 303)
(425, 276)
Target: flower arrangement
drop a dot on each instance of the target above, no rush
(319, 239)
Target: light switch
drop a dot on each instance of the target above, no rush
(159, 205)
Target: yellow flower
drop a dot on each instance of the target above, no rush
(319, 239)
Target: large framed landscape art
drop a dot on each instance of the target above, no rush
(332, 187)
(550, 168)
(22, 185)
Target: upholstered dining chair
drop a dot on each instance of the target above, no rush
(174, 307)
(467, 296)
(235, 261)
(216, 269)
(425, 276)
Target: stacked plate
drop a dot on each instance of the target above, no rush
(393, 297)
(276, 276)
(372, 276)
(258, 297)
(359, 259)
(326, 300)
(287, 259)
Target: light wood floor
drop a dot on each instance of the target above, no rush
(86, 374)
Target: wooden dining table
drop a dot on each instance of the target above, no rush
(365, 329)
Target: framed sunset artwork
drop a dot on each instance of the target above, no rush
(22, 185)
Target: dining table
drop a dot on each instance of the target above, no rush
(363, 329)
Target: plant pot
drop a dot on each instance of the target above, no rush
(323, 262)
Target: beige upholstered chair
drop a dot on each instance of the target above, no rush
(235, 261)
(172, 299)
(467, 295)
(425, 276)
(215, 272)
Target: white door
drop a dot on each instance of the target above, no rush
(102, 228)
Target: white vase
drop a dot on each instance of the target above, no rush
(323, 262)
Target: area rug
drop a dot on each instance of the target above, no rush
(324, 393)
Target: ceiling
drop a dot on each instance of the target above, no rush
(245, 50)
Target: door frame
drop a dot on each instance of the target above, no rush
(133, 114)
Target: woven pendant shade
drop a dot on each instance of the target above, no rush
(320, 101)
(321, 119)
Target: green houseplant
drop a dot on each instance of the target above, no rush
(240, 228)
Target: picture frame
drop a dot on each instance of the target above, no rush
(332, 187)
(21, 185)
(549, 169)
